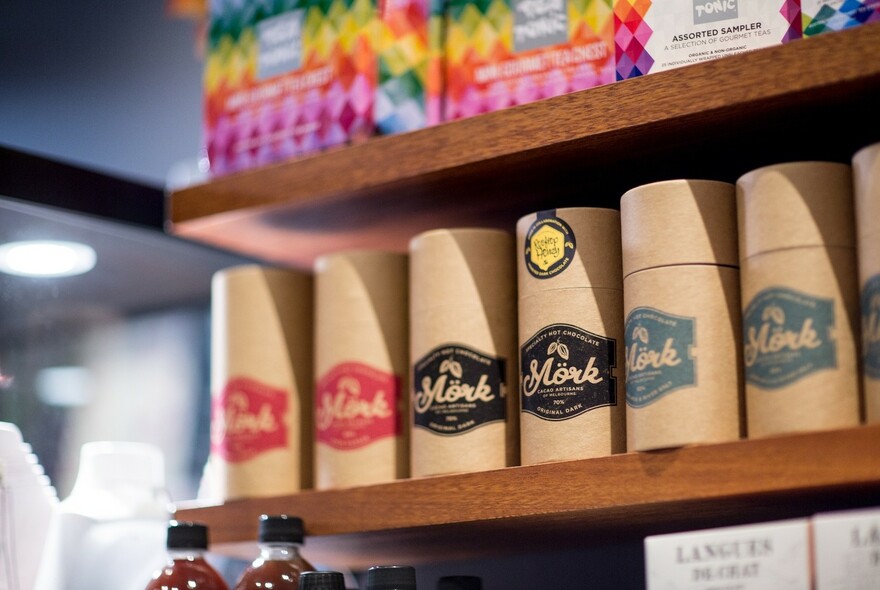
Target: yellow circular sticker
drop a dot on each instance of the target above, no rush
(549, 247)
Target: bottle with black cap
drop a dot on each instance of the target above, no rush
(186, 568)
(391, 577)
(279, 565)
(322, 581)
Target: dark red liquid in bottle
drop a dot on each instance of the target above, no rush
(186, 568)
(273, 573)
(279, 565)
(187, 574)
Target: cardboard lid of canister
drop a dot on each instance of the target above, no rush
(678, 222)
(361, 310)
(462, 266)
(258, 316)
(355, 276)
(261, 287)
(795, 205)
(570, 248)
(251, 271)
(866, 177)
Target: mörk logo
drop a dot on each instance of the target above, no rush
(457, 389)
(787, 335)
(871, 327)
(567, 371)
(772, 336)
(659, 355)
(249, 418)
(356, 404)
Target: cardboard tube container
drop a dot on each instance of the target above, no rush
(361, 363)
(682, 327)
(866, 176)
(800, 297)
(570, 335)
(261, 381)
(463, 351)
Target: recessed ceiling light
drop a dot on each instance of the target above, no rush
(46, 258)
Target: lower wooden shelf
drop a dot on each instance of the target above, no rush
(566, 504)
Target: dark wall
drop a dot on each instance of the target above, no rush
(111, 86)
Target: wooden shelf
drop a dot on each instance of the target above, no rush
(560, 505)
(804, 100)
(810, 99)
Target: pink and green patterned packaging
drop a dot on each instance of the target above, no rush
(664, 34)
(409, 87)
(823, 16)
(284, 78)
(501, 53)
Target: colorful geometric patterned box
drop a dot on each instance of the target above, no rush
(501, 53)
(655, 36)
(822, 16)
(409, 47)
(285, 78)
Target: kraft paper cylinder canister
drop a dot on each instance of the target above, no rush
(866, 176)
(463, 351)
(261, 381)
(361, 363)
(682, 327)
(570, 335)
(800, 297)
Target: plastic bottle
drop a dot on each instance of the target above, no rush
(28, 506)
(391, 577)
(279, 565)
(112, 528)
(186, 567)
(322, 581)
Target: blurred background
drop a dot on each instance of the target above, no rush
(114, 87)
(100, 113)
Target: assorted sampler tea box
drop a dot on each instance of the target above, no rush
(286, 78)
(655, 36)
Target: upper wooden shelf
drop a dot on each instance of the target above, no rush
(566, 504)
(808, 99)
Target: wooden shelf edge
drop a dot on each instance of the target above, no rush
(804, 68)
(644, 491)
